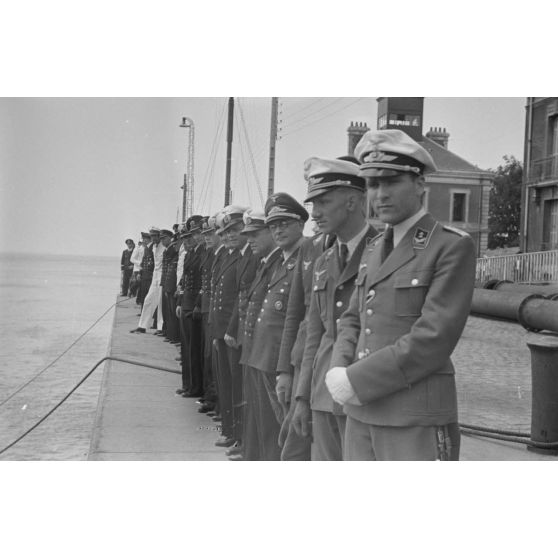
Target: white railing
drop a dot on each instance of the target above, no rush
(534, 267)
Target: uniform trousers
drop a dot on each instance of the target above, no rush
(126, 276)
(145, 284)
(184, 325)
(224, 387)
(264, 416)
(328, 432)
(195, 355)
(209, 389)
(151, 304)
(367, 442)
(296, 448)
(169, 317)
(237, 392)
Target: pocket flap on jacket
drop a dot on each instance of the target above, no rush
(417, 278)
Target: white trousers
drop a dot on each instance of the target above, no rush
(153, 301)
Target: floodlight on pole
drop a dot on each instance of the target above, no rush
(188, 188)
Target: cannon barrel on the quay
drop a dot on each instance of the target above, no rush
(533, 311)
(509, 286)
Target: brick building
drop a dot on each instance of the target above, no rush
(457, 194)
(539, 207)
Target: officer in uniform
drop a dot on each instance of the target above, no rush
(285, 218)
(190, 314)
(245, 273)
(391, 366)
(168, 283)
(263, 247)
(226, 293)
(338, 197)
(210, 240)
(147, 263)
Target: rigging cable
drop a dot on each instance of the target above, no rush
(258, 184)
(321, 109)
(61, 355)
(243, 161)
(307, 106)
(211, 160)
(117, 359)
(322, 118)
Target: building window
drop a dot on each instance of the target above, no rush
(382, 122)
(459, 206)
(396, 119)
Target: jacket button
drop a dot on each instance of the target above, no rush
(371, 294)
(338, 304)
(340, 287)
(265, 300)
(369, 312)
(316, 288)
(368, 331)
(414, 282)
(337, 320)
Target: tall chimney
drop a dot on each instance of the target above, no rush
(355, 131)
(439, 135)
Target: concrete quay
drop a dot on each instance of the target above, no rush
(139, 417)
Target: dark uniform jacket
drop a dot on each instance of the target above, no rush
(268, 328)
(147, 263)
(294, 330)
(223, 293)
(255, 297)
(204, 294)
(170, 262)
(191, 278)
(331, 291)
(404, 320)
(125, 259)
(219, 261)
(245, 273)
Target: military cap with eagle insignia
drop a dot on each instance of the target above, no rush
(209, 225)
(391, 152)
(284, 206)
(324, 175)
(232, 214)
(253, 220)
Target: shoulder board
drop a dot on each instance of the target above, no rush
(455, 230)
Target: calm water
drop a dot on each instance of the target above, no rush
(46, 303)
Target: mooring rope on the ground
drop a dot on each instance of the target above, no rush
(23, 386)
(117, 359)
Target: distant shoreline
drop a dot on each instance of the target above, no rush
(16, 255)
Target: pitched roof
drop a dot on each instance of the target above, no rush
(446, 160)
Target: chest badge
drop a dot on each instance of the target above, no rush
(278, 305)
(421, 238)
(306, 264)
(318, 274)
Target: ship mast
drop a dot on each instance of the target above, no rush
(272, 141)
(229, 152)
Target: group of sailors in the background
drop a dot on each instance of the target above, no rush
(325, 348)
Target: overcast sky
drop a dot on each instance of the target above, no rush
(79, 175)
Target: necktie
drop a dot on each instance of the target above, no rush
(388, 243)
(343, 255)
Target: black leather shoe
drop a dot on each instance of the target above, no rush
(138, 330)
(236, 457)
(224, 442)
(180, 391)
(217, 418)
(234, 449)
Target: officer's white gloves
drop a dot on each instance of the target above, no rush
(339, 386)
